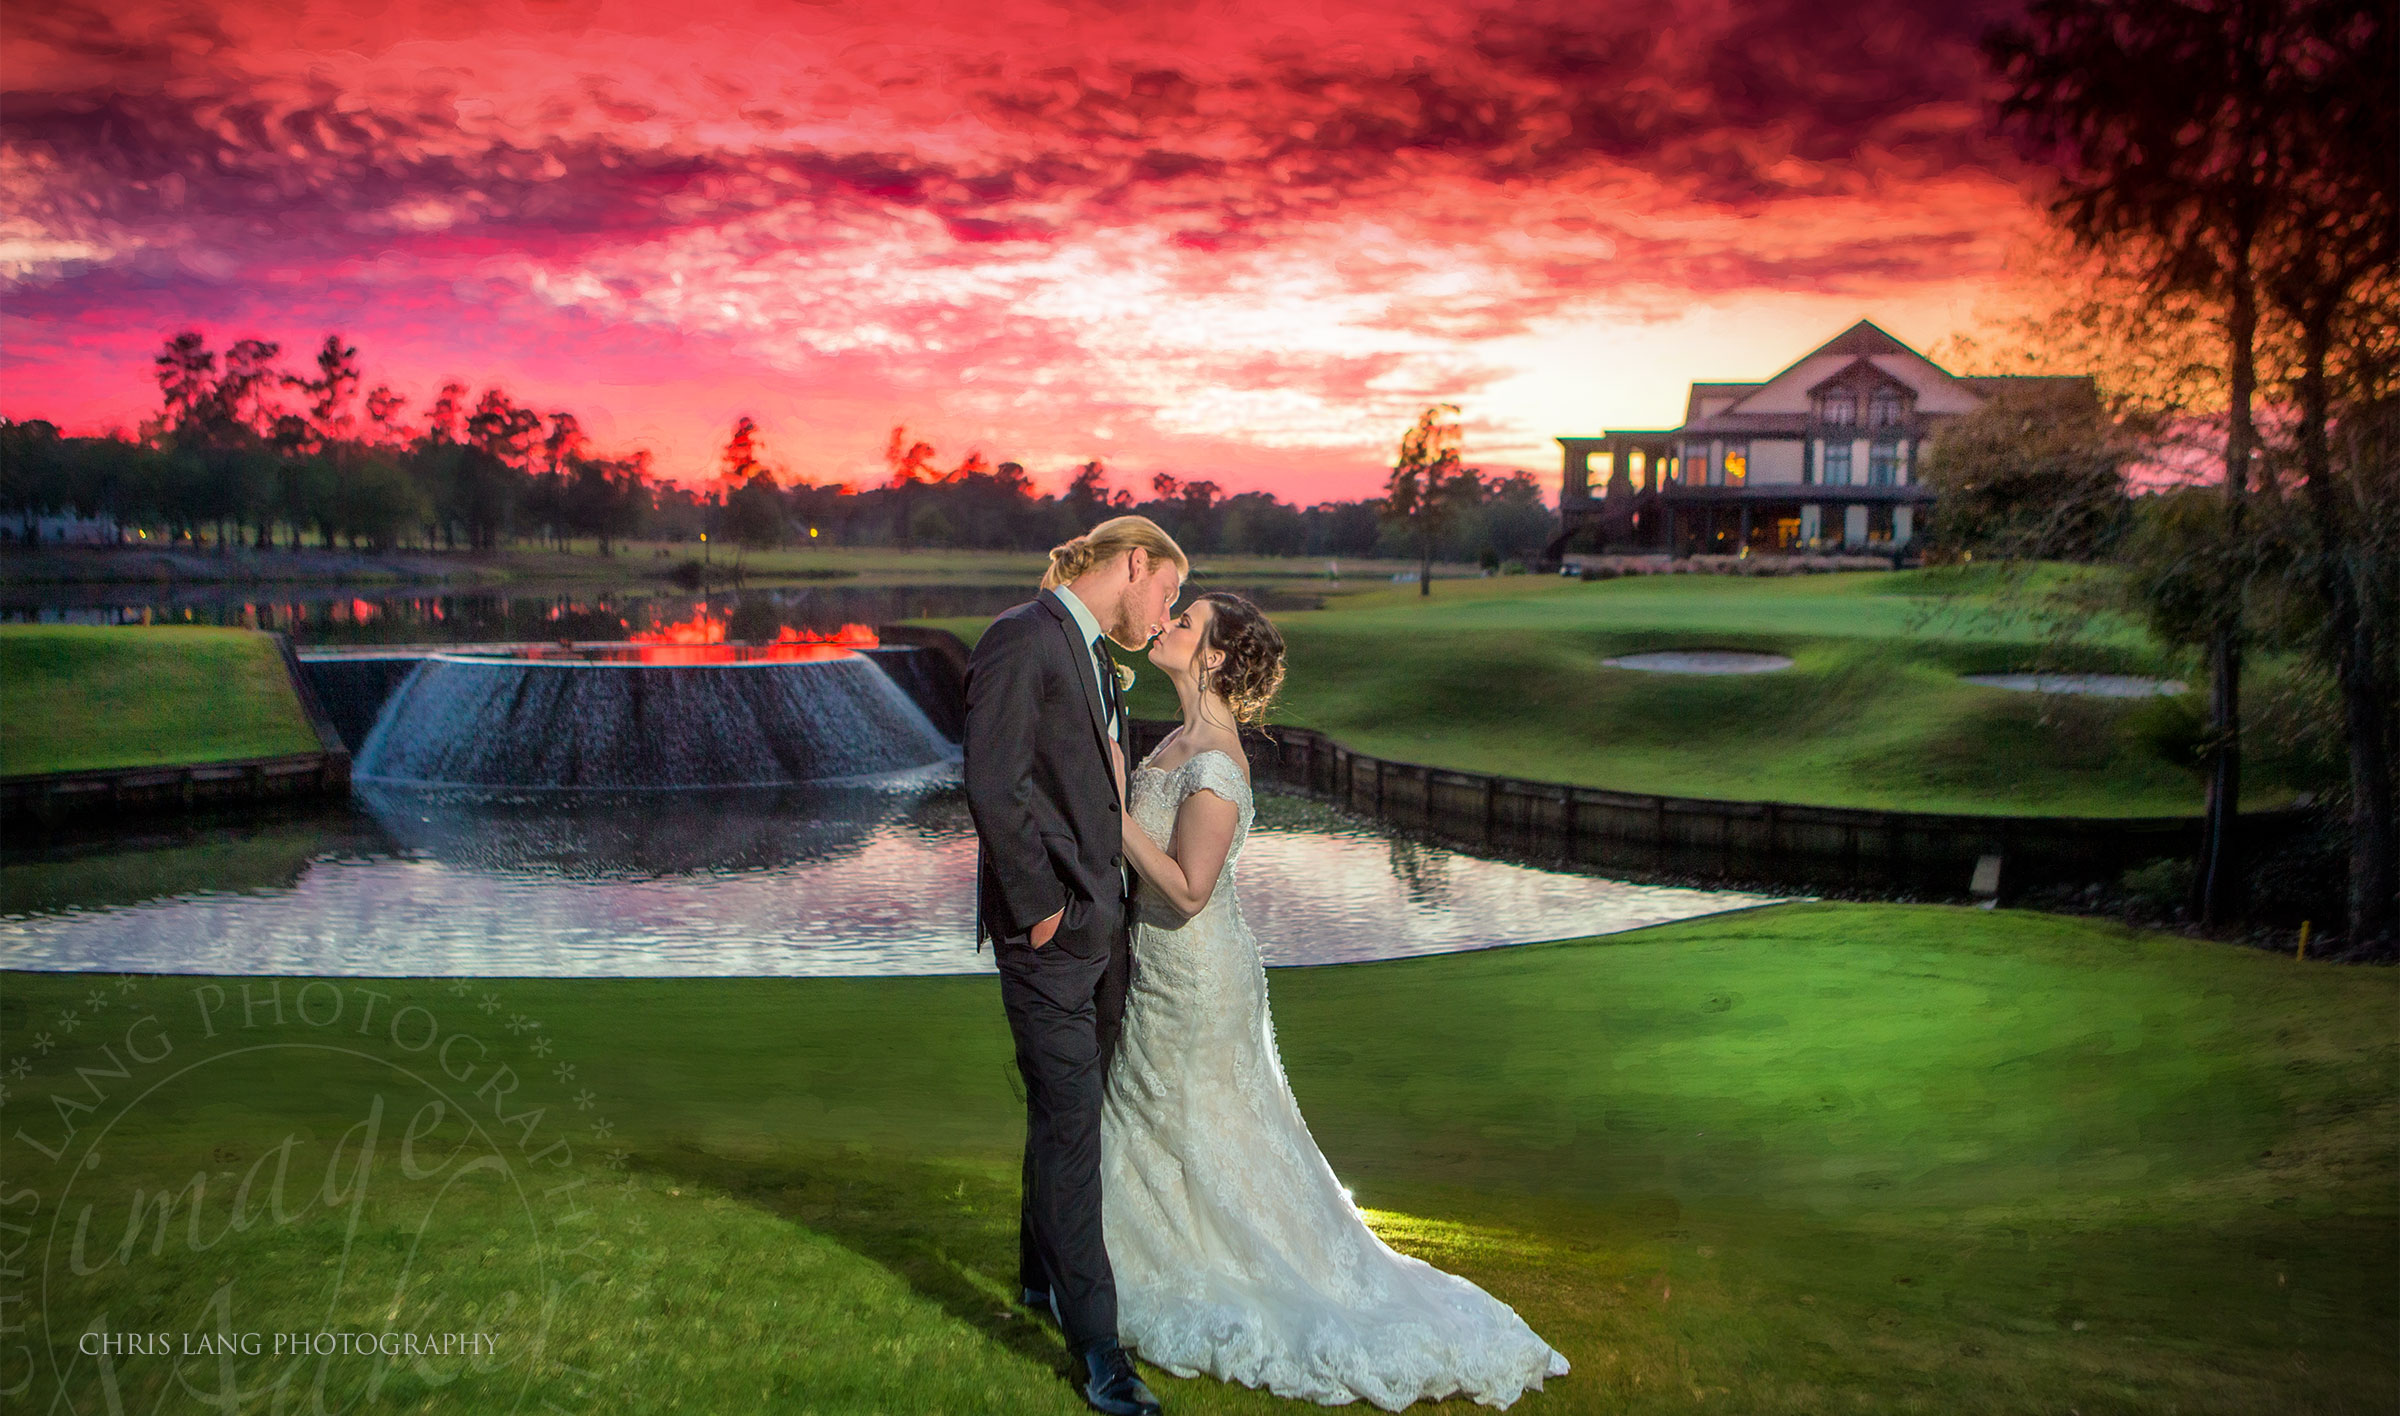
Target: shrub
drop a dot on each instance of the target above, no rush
(2160, 887)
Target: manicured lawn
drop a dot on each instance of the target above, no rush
(1506, 676)
(77, 697)
(1817, 1158)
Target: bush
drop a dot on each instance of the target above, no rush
(2304, 876)
(2159, 888)
(2172, 728)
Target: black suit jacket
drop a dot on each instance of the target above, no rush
(1039, 783)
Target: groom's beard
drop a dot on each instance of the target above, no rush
(1129, 632)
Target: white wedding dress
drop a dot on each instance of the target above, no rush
(1236, 1251)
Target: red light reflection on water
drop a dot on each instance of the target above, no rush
(701, 640)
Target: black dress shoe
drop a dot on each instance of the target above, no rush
(1113, 1387)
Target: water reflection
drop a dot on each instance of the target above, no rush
(725, 883)
(632, 836)
(372, 615)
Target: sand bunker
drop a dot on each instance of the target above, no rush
(1700, 661)
(2088, 685)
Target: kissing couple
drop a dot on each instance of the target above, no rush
(1175, 1204)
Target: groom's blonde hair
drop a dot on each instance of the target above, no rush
(1107, 541)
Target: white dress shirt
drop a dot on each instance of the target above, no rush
(1089, 627)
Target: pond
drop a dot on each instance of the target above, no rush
(850, 881)
(382, 615)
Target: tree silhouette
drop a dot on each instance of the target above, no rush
(1424, 487)
(187, 378)
(910, 464)
(383, 415)
(739, 460)
(2331, 267)
(332, 391)
(2239, 152)
(2165, 178)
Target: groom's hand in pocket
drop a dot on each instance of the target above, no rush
(1045, 929)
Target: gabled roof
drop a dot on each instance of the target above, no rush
(1858, 371)
(1863, 340)
(1936, 388)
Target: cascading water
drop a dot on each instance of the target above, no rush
(623, 724)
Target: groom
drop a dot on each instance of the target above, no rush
(1051, 892)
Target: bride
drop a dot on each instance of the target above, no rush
(1236, 1251)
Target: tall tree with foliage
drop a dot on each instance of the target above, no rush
(2235, 155)
(2034, 474)
(1426, 478)
(754, 511)
(2329, 260)
(2166, 176)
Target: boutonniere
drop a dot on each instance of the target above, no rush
(1124, 678)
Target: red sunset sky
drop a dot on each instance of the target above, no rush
(1244, 241)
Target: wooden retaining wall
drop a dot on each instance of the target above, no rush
(1761, 841)
(45, 797)
(50, 795)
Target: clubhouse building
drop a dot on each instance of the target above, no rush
(1822, 457)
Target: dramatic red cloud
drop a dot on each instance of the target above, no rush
(1241, 240)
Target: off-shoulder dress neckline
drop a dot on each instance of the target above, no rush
(1203, 752)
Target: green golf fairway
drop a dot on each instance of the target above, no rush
(79, 697)
(1807, 1159)
(1507, 676)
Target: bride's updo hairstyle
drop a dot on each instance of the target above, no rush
(1253, 650)
(1107, 541)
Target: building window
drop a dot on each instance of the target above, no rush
(1839, 409)
(1737, 464)
(1883, 462)
(1695, 464)
(1837, 464)
(1886, 408)
(1879, 525)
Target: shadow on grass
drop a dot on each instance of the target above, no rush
(947, 1231)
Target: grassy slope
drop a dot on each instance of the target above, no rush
(1506, 676)
(76, 697)
(1814, 1158)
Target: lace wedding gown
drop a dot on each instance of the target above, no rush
(1235, 1249)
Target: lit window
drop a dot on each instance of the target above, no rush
(1737, 463)
(1837, 464)
(1839, 408)
(1883, 462)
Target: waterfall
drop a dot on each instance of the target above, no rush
(612, 725)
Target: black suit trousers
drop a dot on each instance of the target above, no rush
(1065, 1007)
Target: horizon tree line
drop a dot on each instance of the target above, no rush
(244, 452)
